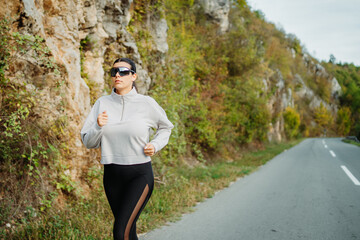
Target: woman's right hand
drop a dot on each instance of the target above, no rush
(102, 119)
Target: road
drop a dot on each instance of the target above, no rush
(303, 193)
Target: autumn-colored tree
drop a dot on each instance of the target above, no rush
(323, 117)
(348, 76)
(292, 122)
(343, 121)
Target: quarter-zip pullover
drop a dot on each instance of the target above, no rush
(130, 120)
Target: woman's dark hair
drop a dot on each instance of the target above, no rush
(127, 60)
(131, 63)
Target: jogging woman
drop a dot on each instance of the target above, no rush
(121, 123)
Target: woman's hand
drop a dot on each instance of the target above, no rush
(102, 119)
(149, 150)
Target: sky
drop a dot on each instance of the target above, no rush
(324, 27)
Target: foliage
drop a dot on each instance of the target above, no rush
(343, 121)
(27, 146)
(323, 117)
(351, 142)
(348, 76)
(294, 43)
(206, 78)
(87, 44)
(217, 96)
(278, 56)
(84, 218)
(291, 122)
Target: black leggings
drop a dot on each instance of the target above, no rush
(128, 189)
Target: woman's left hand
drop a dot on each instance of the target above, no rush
(149, 150)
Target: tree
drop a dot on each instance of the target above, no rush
(332, 59)
(323, 117)
(292, 122)
(343, 121)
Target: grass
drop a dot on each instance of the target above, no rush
(183, 187)
(351, 142)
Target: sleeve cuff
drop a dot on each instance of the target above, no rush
(155, 146)
(97, 127)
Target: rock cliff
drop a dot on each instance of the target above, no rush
(287, 96)
(84, 37)
(217, 11)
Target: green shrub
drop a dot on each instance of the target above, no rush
(343, 121)
(26, 147)
(291, 122)
(323, 117)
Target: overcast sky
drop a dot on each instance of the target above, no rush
(324, 26)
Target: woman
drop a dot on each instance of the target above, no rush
(121, 124)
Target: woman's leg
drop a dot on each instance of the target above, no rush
(128, 188)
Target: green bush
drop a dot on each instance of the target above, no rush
(343, 121)
(291, 122)
(348, 76)
(323, 118)
(26, 147)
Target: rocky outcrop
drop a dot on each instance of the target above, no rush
(84, 37)
(319, 71)
(159, 30)
(104, 25)
(302, 91)
(217, 11)
(335, 88)
(277, 103)
(284, 97)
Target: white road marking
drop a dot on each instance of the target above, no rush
(325, 146)
(355, 181)
(332, 153)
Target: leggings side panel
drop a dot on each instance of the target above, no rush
(128, 189)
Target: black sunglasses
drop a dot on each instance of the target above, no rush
(123, 71)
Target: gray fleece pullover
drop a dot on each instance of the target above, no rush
(130, 120)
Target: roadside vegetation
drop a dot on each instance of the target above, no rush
(351, 142)
(348, 76)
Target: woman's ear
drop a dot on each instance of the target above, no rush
(134, 76)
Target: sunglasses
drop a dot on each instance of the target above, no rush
(123, 71)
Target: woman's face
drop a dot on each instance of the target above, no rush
(122, 83)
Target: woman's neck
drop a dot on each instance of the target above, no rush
(123, 91)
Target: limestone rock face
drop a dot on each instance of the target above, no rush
(84, 37)
(284, 96)
(320, 71)
(302, 91)
(335, 88)
(218, 11)
(159, 29)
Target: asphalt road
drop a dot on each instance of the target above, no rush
(303, 193)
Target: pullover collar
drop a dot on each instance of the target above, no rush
(130, 95)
